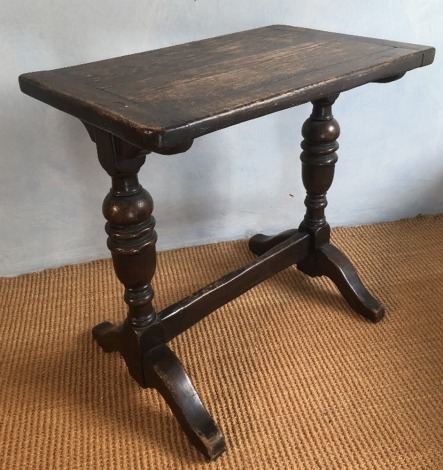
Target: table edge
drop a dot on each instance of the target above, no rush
(161, 139)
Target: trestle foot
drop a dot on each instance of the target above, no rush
(329, 261)
(260, 244)
(165, 373)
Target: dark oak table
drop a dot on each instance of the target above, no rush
(160, 101)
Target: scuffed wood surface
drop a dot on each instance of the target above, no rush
(162, 98)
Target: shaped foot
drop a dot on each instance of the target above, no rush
(106, 335)
(164, 371)
(260, 244)
(329, 261)
(158, 367)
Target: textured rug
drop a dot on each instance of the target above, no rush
(292, 376)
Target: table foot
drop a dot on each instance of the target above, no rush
(329, 261)
(153, 365)
(105, 334)
(165, 373)
(260, 244)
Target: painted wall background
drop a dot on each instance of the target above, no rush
(230, 184)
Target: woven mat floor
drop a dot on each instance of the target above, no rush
(292, 376)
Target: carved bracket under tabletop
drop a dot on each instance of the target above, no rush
(391, 78)
(116, 155)
(128, 151)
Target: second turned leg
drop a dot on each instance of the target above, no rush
(320, 132)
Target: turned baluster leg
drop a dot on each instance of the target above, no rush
(320, 132)
(131, 240)
(318, 158)
(140, 340)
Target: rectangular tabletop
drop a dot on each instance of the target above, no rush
(162, 98)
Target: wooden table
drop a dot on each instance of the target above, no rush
(160, 101)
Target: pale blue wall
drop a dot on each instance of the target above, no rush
(232, 183)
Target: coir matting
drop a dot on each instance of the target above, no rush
(294, 379)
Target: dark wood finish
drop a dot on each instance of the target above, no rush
(164, 98)
(167, 375)
(318, 158)
(182, 315)
(329, 261)
(128, 208)
(161, 101)
(153, 365)
(320, 132)
(139, 339)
